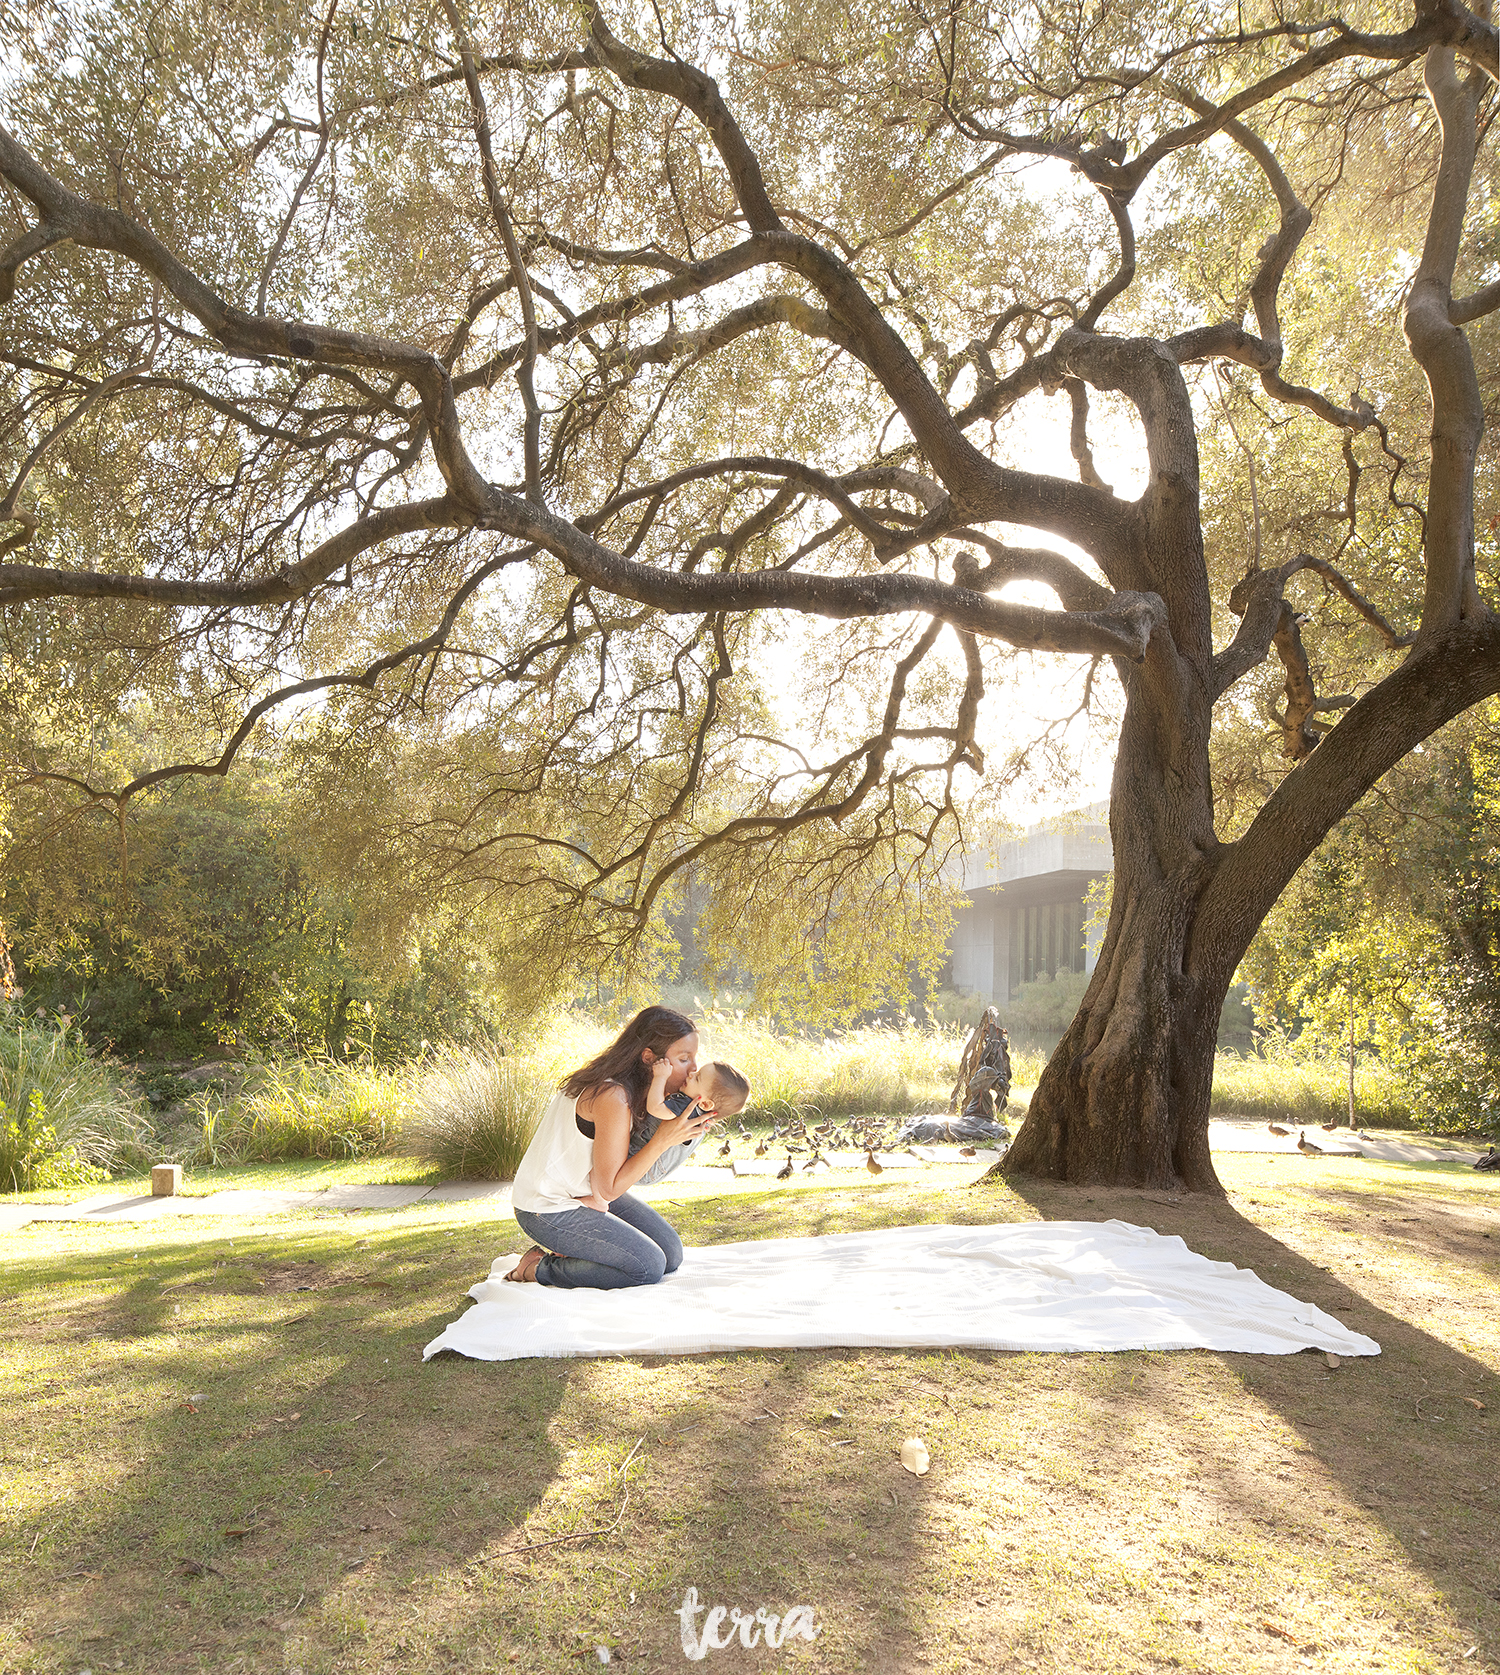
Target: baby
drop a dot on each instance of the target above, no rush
(718, 1090)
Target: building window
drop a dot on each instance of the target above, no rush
(1046, 938)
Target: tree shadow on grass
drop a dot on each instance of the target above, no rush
(1400, 1433)
(1055, 1524)
(1041, 1532)
(746, 1487)
(322, 1463)
(1447, 1233)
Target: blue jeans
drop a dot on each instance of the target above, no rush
(631, 1245)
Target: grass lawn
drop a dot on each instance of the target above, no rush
(332, 1504)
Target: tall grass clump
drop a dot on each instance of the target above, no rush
(874, 1068)
(475, 1111)
(857, 1083)
(1026, 1066)
(1304, 1090)
(68, 1117)
(302, 1108)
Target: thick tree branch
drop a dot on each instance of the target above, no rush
(1438, 23)
(1476, 305)
(700, 93)
(1266, 618)
(1124, 630)
(1075, 588)
(979, 488)
(290, 582)
(248, 334)
(1444, 675)
(1442, 350)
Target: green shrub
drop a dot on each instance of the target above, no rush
(475, 1112)
(62, 1103)
(301, 1108)
(33, 1158)
(1044, 1008)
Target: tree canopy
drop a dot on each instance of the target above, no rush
(490, 387)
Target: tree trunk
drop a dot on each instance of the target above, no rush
(1125, 1096)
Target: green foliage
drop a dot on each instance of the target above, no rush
(816, 938)
(1046, 1007)
(33, 1157)
(69, 1116)
(216, 925)
(1390, 937)
(475, 1112)
(302, 1108)
(1309, 1086)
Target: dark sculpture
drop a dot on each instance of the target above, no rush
(981, 1091)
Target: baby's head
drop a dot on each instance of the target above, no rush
(718, 1088)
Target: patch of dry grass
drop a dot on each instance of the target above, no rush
(1084, 1513)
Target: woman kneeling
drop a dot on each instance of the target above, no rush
(602, 1133)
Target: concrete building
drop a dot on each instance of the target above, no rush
(1025, 914)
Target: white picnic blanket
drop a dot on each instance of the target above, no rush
(1044, 1285)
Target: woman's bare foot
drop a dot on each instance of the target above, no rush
(525, 1270)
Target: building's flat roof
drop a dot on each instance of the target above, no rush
(1067, 849)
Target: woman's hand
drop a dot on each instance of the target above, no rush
(592, 1201)
(676, 1131)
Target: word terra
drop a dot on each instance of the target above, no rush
(747, 1626)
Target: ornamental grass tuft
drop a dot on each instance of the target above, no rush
(302, 1108)
(475, 1111)
(66, 1118)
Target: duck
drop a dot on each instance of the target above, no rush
(1306, 1145)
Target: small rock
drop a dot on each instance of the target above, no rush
(914, 1456)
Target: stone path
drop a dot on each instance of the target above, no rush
(1257, 1137)
(112, 1207)
(691, 1181)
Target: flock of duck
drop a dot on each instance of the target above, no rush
(855, 1134)
(1305, 1145)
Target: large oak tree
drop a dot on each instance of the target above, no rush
(495, 377)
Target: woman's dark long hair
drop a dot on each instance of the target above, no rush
(656, 1028)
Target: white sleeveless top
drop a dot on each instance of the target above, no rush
(554, 1173)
